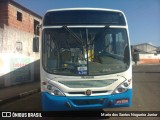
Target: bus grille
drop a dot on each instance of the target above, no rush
(88, 102)
(83, 93)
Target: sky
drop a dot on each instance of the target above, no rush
(143, 16)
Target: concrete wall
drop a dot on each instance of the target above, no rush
(15, 59)
(11, 39)
(149, 59)
(18, 63)
(1, 38)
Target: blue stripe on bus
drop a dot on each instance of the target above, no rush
(62, 103)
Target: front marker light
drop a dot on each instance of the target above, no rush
(49, 87)
(125, 84)
(54, 91)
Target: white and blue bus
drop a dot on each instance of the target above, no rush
(85, 60)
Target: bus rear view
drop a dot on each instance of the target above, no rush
(85, 60)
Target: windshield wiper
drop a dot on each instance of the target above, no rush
(74, 35)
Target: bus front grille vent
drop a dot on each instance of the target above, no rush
(89, 102)
(83, 93)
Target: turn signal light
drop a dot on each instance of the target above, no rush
(44, 83)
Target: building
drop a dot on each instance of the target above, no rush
(145, 48)
(146, 53)
(17, 21)
(18, 26)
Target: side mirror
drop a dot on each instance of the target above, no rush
(36, 44)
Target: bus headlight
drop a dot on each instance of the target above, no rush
(122, 87)
(54, 91)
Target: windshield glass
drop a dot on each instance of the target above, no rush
(85, 51)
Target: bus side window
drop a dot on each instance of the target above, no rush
(126, 55)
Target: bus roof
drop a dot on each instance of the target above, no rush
(100, 9)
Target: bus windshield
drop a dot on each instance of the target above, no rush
(85, 51)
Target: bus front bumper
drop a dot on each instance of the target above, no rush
(63, 103)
